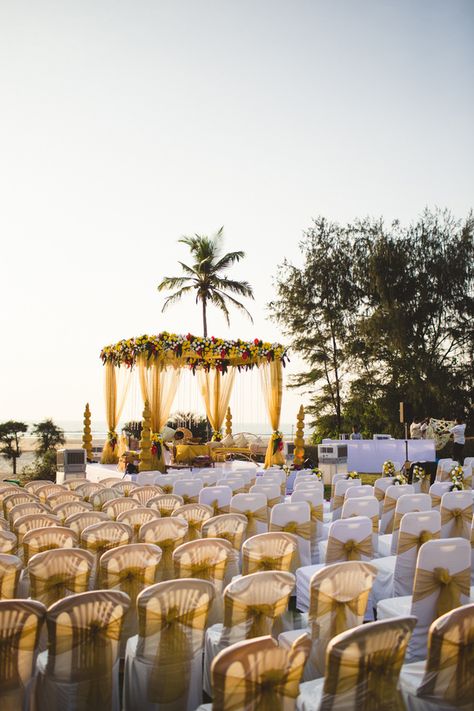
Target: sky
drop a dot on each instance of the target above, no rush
(126, 124)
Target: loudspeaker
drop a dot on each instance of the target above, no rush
(406, 412)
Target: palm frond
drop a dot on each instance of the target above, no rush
(228, 260)
(172, 283)
(242, 288)
(219, 302)
(176, 296)
(234, 303)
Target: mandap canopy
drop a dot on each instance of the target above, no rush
(161, 358)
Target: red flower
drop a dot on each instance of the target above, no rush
(223, 353)
(188, 337)
(212, 339)
(257, 342)
(245, 355)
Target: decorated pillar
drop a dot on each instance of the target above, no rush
(228, 422)
(145, 441)
(87, 434)
(299, 439)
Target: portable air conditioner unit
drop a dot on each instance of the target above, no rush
(382, 436)
(332, 453)
(71, 461)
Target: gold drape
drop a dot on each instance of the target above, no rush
(158, 385)
(450, 587)
(462, 521)
(271, 377)
(338, 551)
(406, 541)
(117, 381)
(298, 529)
(216, 390)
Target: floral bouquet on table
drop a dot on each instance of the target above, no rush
(156, 445)
(277, 442)
(419, 474)
(352, 475)
(388, 468)
(216, 436)
(399, 479)
(457, 478)
(112, 439)
(318, 473)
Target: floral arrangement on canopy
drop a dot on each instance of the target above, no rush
(194, 351)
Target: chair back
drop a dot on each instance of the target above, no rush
(294, 518)
(168, 533)
(436, 492)
(136, 517)
(195, 515)
(448, 676)
(313, 497)
(20, 626)
(456, 514)
(8, 542)
(172, 618)
(69, 508)
(269, 551)
(31, 507)
(143, 494)
(254, 507)
(62, 497)
(359, 492)
(216, 496)
(33, 486)
(88, 489)
(44, 539)
(416, 528)
(79, 521)
(340, 488)
(117, 506)
(103, 536)
(22, 497)
(257, 674)
(254, 603)
(55, 574)
(188, 489)
(271, 491)
(10, 569)
(366, 506)
(338, 600)
(349, 539)
(363, 666)
(125, 487)
(206, 559)
(405, 504)
(236, 484)
(443, 467)
(392, 493)
(101, 497)
(231, 527)
(165, 504)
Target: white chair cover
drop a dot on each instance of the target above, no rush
(10, 569)
(392, 493)
(168, 533)
(254, 507)
(294, 518)
(218, 497)
(314, 497)
(406, 503)
(436, 492)
(188, 489)
(456, 514)
(340, 489)
(380, 487)
(165, 504)
(271, 491)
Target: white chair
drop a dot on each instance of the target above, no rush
(444, 465)
(436, 492)
(442, 582)
(277, 477)
(407, 502)
(208, 478)
(396, 572)
(380, 487)
(236, 484)
(359, 492)
(188, 489)
(314, 497)
(253, 606)
(334, 480)
(392, 493)
(339, 493)
(218, 497)
(272, 492)
(366, 506)
(294, 518)
(362, 669)
(445, 680)
(163, 663)
(349, 539)
(456, 514)
(254, 507)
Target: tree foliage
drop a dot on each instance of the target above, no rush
(206, 279)
(11, 434)
(383, 314)
(49, 436)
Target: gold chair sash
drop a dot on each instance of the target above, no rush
(348, 550)
(389, 504)
(219, 509)
(254, 563)
(322, 605)
(337, 502)
(131, 579)
(260, 615)
(379, 494)
(450, 587)
(206, 569)
(317, 512)
(435, 501)
(11, 646)
(188, 499)
(273, 502)
(171, 674)
(378, 672)
(425, 486)
(374, 519)
(458, 655)
(298, 529)
(52, 588)
(260, 514)
(462, 520)
(266, 693)
(407, 541)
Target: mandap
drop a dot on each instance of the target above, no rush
(160, 360)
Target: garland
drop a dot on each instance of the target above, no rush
(457, 478)
(156, 445)
(194, 351)
(277, 442)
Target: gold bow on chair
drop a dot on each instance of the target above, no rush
(273, 502)
(456, 655)
(260, 617)
(188, 499)
(317, 513)
(170, 678)
(219, 509)
(462, 520)
(379, 674)
(267, 692)
(130, 579)
(337, 502)
(379, 494)
(298, 529)
(407, 541)
(450, 587)
(51, 588)
(322, 604)
(435, 501)
(348, 550)
(260, 514)
(206, 569)
(253, 563)
(389, 505)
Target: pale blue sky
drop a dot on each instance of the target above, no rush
(126, 124)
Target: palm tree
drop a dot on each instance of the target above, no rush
(205, 278)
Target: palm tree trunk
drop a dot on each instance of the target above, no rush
(204, 317)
